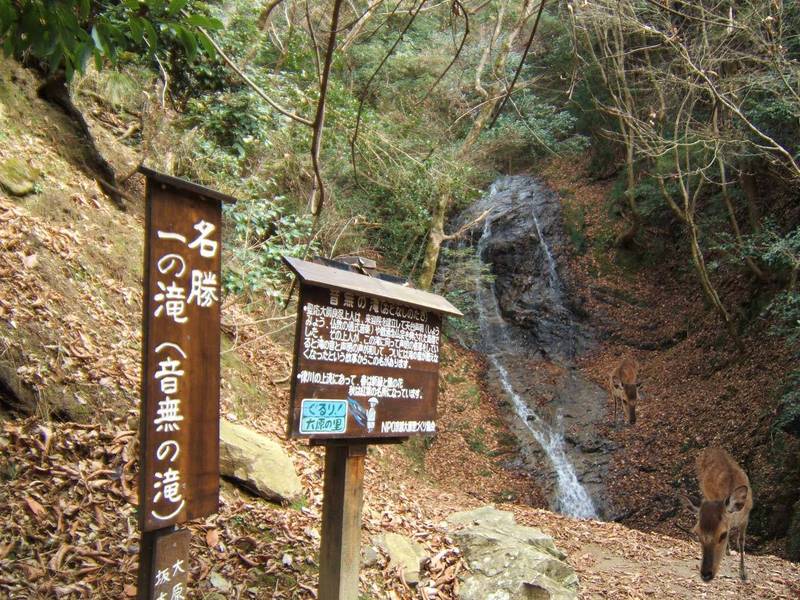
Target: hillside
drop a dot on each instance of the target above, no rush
(70, 307)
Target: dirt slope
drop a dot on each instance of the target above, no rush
(700, 390)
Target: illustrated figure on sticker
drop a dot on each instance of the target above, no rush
(371, 412)
(363, 418)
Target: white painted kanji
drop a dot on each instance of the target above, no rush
(163, 450)
(168, 414)
(169, 235)
(204, 288)
(168, 486)
(208, 248)
(162, 577)
(172, 301)
(178, 568)
(168, 263)
(168, 373)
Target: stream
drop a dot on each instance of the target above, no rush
(530, 334)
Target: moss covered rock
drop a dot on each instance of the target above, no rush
(17, 177)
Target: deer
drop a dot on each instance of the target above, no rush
(626, 388)
(726, 505)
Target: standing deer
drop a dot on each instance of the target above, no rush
(727, 501)
(626, 388)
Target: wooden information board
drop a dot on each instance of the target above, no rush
(179, 421)
(367, 356)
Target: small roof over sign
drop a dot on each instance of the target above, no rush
(184, 185)
(315, 274)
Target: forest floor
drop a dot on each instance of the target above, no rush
(699, 389)
(70, 306)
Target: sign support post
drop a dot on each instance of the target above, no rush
(343, 495)
(179, 413)
(366, 370)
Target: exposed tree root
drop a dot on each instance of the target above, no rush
(55, 91)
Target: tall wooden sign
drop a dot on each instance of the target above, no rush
(179, 417)
(366, 370)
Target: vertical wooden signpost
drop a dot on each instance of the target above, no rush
(179, 418)
(366, 371)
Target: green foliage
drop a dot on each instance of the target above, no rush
(66, 34)
(575, 226)
(460, 272)
(533, 128)
(234, 121)
(476, 440)
(263, 231)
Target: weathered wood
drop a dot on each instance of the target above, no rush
(340, 549)
(364, 367)
(179, 428)
(164, 564)
(325, 276)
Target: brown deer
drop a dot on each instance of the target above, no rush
(626, 388)
(726, 504)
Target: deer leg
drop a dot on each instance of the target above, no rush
(742, 572)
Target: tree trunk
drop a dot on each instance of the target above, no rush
(434, 244)
(748, 183)
(705, 281)
(625, 239)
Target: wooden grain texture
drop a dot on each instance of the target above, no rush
(340, 547)
(164, 564)
(179, 441)
(381, 358)
(329, 277)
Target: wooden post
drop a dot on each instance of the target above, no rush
(343, 494)
(164, 564)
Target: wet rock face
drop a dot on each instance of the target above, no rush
(523, 249)
(530, 330)
(572, 405)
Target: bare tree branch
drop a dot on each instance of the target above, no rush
(499, 109)
(285, 112)
(318, 199)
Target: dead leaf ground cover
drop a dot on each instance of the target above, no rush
(699, 390)
(69, 311)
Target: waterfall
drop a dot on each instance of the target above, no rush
(571, 497)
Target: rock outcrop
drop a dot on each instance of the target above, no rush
(17, 177)
(257, 463)
(508, 561)
(404, 553)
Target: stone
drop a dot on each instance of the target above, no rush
(219, 582)
(371, 557)
(18, 177)
(507, 561)
(257, 463)
(403, 553)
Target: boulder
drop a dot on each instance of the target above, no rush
(257, 463)
(508, 561)
(403, 553)
(18, 177)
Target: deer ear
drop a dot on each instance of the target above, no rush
(737, 499)
(687, 502)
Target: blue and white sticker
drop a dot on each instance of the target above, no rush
(323, 416)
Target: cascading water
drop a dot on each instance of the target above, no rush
(571, 498)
